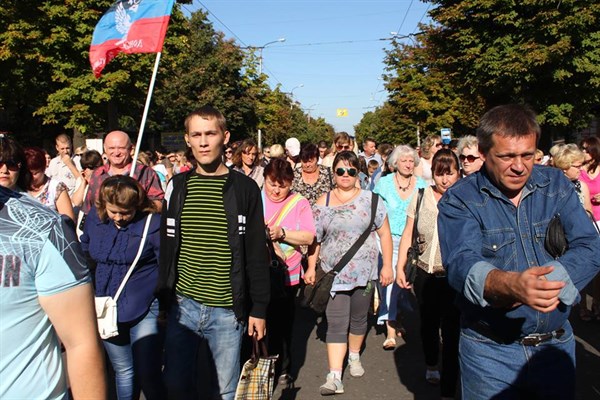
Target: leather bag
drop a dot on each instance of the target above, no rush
(413, 253)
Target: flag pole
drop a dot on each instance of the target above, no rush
(144, 116)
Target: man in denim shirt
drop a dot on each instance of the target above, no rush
(514, 297)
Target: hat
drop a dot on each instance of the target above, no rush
(292, 145)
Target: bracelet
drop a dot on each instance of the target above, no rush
(282, 234)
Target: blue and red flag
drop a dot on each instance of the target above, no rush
(129, 26)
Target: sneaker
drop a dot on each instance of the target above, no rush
(285, 379)
(432, 376)
(332, 386)
(356, 368)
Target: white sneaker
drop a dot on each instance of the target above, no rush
(332, 386)
(356, 368)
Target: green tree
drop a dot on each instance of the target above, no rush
(544, 53)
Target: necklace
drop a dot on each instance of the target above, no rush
(403, 188)
(346, 200)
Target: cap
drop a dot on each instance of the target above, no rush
(292, 145)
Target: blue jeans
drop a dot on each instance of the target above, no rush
(136, 357)
(511, 371)
(193, 327)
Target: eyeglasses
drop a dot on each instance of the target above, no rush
(11, 165)
(342, 146)
(228, 151)
(342, 170)
(469, 158)
(440, 145)
(79, 154)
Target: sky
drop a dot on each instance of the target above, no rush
(333, 53)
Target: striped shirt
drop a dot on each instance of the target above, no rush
(204, 263)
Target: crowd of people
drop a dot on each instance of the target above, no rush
(211, 245)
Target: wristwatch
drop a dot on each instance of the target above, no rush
(282, 234)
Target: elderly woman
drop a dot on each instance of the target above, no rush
(431, 145)
(397, 190)
(50, 192)
(570, 159)
(246, 161)
(341, 142)
(289, 219)
(468, 154)
(112, 236)
(341, 216)
(310, 179)
(434, 294)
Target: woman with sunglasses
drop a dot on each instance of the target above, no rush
(434, 294)
(12, 162)
(431, 145)
(341, 216)
(397, 189)
(246, 161)
(341, 142)
(112, 238)
(468, 154)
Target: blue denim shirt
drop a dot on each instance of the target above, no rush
(481, 229)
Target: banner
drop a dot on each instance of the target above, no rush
(129, 26)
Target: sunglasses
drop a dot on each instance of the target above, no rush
(11, 165)
(468, 158)
(228, 151)
(342, 170)
(86, 167)
(342, 146)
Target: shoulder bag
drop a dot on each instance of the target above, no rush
(106, 306)
(412, 255)
(317, 296)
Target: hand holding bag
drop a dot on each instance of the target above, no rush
(317, 296)
(106, 306)
(258, 374)
(412, 255)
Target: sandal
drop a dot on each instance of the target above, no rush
(389, 344)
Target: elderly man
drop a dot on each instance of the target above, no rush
(370, 151)
(515, 298)
(468, 154)
(117, 147)
(63, 167)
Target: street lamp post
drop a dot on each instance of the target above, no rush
(261, 48)
(292, 94)
(260, 62)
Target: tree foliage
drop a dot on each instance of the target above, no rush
(479, 53)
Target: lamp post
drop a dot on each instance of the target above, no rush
(261, 48)
(292, 94)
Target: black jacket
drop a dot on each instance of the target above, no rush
(250, 280)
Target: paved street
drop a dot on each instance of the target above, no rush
(400, 374)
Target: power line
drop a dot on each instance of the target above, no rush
(405, 15)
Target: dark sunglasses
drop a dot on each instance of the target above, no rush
(86, 167)
(228, 151)
(342, 170)
(468, 158)
(11, 165)
(342, 146)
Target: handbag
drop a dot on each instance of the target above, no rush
(413, 253)
(556, 243)
(258, 374)
(106, 306)
(277, 270)
(317, 296)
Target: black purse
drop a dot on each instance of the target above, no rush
(277, 270)
(413, 253)
(317, 296)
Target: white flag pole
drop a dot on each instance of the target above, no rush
(144, 116)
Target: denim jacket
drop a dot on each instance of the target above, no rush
(481, 229)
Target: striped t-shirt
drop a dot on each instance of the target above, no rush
(204, 263)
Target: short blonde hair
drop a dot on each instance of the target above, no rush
(277, 151)
(566, 155)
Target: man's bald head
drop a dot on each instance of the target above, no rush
(117, 146)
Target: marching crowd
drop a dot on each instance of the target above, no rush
(204, 248)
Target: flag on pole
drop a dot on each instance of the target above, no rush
(129, 26)
(342, 112)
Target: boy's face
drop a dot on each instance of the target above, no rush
(206, 140)
(371, 168)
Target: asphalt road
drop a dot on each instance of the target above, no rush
(400, 374)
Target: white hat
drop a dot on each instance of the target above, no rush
(292, 145)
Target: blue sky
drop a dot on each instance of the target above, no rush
(332, 48)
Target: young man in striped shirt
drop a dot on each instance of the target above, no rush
(214, 278)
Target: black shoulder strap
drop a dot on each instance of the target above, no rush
(415, 231)
(359, 242)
